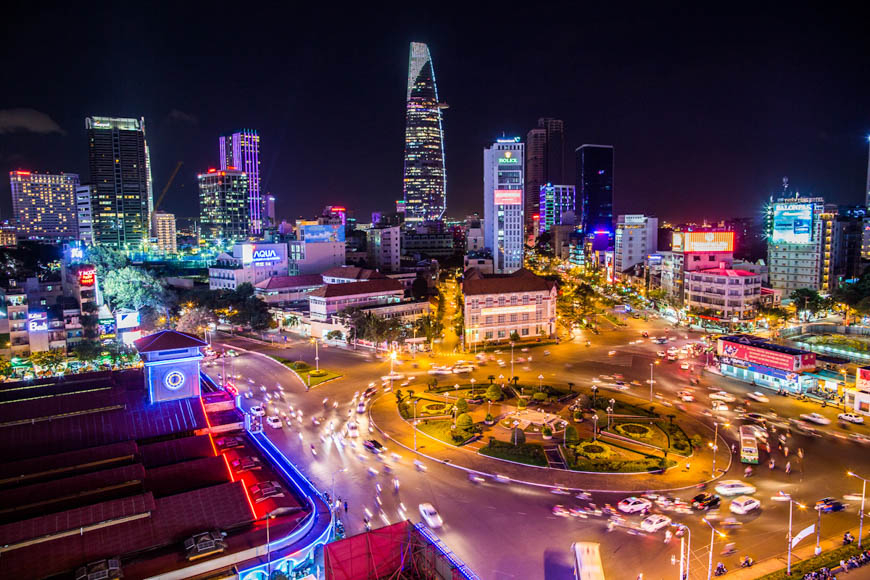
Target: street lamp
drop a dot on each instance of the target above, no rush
(501, 379)
(863, 495)
(540, 382)
(594, 392)
(415, 424)
(713, 533)
(685, 554)
(392, 360)
(651, 381)
(610, 411)
(791, 502)
(334, 473)
(512, 359)
(316, 355)
(595, 427)
(472, 388)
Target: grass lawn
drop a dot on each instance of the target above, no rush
(441, 429)
(653, 436)
(616, 459)
(528, 453)
(621, 407)
(316, 377)
(829, 559)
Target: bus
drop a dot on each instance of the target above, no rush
(587, 561)
(748, 445)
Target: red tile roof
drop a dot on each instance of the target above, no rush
(353, 288)
(167, 340)
(353, 273)
(727, 272)
(281, 282)
(522, 280)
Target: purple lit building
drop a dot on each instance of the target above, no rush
(240, 151)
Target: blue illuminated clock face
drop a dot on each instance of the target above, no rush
(174, 380)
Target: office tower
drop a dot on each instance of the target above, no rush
(801, 245)
(84, 214)
(595, 187)
(557, 205)
(224, 205)
(385, 248)
(636, 238)
(120, 178)
(503, 203)
(44, 204)
(546, 161)
(240, 151)
(268, 211)
(163, 226)
(425, 179)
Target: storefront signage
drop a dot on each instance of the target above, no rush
(87, 277)
(260, 256)
(766, 357)
(507, 310)
(862, 379)
(788, 376)
(37, 321)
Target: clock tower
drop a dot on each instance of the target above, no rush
(171, 365)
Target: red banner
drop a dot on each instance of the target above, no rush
(766, 357)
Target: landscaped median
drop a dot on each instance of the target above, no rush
(830, 559)
(528, 453)
(307, 374)
(610, 457)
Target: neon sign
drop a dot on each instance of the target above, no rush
(87, 277)
(174, 380)
(251, 254)
(37, 321)
(508, 160)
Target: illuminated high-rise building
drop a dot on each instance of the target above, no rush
(44, 204)
(241, 152)
(223, 205)
(425, 180)
(503, 204)
(557, 205)
(120, 178)
(595, 187)
(163, 226)
(546, 161)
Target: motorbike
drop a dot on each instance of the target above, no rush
(746, 562)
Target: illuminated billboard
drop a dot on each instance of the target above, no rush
(87, 277)
(707, 241)
(326, 233)
(793, 223)
(37, 321)
(508, 196)
(263, 254)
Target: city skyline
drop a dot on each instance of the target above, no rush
(682, 134)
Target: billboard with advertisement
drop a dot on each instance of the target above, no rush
(87, 277)
(862, 379)
(263, 254)
(789, 376)
(37, 321)
(708, 241)
(508, 196)
(793, 223)
(323, 233)
(766, 357)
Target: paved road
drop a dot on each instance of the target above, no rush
(508, 531)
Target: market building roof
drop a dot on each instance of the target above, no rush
(475, 282)
(354, 288)
(167, 340)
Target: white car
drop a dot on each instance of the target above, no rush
(361, 408)
(719, 406)
(850, 417)
(274, 422)
(258, 411)
(655, 522)
(685, 366)
(815, 418)
(759, 397)
(352, 429)
(430, 515)
(393, 377)
(462, 369)
(723, 396)
(686, 396)
(633, 504)
(611, 353)
(744, 504)
(439, 371)
(661, 354)
(734, 487)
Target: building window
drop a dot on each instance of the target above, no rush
(525, 332)
(501, 333)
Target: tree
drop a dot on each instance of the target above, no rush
(515, 336)
(48, 359)
(464, 421)
(807, 299)
(462, 405)
(419, 288)
(87, 350)
(106, 259)
(571, 436)
(334, 335)
(493, 393)
(195, 321)
(5, 367)
(133, 288)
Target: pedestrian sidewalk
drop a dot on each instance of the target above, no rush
(776, 563)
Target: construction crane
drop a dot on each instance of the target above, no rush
(168, 183)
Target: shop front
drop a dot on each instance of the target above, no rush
(775, 379)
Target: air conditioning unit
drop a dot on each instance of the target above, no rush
(109, 569)
(204, 544)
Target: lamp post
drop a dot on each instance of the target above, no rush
(863, 496)
(713, 533)
(715, 446)
(454, 409)
(540, 382)
(472, 388)
(595, 427)
(651, 380)
(268, 517)
(334, 473)
(594, 392)
(512, 358)
(610, 411)
(791, 502)
(415, 424)
(316, 354)
(685, 550)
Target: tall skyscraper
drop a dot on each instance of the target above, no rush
(84, 214)
(241, 152)
(163, 226)
(44, 204)
(546, 161)
(801, 245)
(557, 205)
(120, 177)
(425, 179)
(503, 203)
(595, 186)
(223, 204)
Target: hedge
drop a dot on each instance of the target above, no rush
(529, 453)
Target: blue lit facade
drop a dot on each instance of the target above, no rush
(555, 202)
(425, 179)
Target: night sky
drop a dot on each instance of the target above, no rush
(707, 110)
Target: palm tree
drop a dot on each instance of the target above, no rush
(491, 379)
